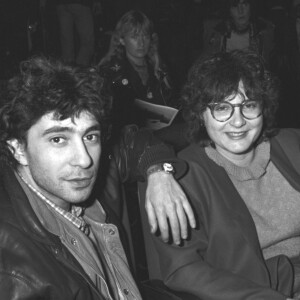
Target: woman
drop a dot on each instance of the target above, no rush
(243, 182)
(133, 69)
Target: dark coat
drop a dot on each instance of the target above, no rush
(125, 84)
(216, 32)
(34, 264)
(223, 259)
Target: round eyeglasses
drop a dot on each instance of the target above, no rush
(223, 111)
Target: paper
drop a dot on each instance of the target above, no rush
(157, 116)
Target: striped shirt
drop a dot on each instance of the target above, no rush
(75, 216)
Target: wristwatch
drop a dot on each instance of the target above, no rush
(164, 167)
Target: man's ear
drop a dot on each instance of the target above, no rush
(17, 149)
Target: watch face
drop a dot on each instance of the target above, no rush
(168, 167)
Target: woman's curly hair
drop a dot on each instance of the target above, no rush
(215, 78)
(46, 85)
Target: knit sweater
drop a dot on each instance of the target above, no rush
(271, 200)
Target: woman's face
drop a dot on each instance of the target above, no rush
(136, 44)
(234, 138)
(241, 14)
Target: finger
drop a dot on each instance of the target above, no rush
(182, 219)
(151, 218)
(163, 226)
(175, 228)
(189, 212)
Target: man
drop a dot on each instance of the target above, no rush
(239, 28)
(57, 241)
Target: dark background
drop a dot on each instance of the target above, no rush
(26, 30)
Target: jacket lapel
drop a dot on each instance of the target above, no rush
(236, 207)
(285, 153)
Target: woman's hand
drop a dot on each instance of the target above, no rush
(167, 205)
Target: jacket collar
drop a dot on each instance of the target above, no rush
(224, 27)
(285, 148)
(21, 212)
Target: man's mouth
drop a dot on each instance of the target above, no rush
(80, 182)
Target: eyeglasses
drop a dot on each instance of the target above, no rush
(223, 111)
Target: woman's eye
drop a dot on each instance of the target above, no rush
(251, 105)
(222, 108)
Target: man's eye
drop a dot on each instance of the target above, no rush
(93, 137)
(57, 140)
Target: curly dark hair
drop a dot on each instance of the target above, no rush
(215, 78)
(47, 85)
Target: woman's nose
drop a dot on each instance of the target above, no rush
(237, 118)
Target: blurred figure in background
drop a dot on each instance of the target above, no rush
(76, 21)
(133, 68)
(239, 28)
(285, 58)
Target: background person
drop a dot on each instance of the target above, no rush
(133, 69)
(76, 29)
(238, 28)
(243, 183)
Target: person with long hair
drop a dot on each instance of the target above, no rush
(133, 68)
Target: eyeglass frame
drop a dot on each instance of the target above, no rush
(211, 107)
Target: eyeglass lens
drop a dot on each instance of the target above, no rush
(224, 110)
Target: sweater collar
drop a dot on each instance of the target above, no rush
(255, 170)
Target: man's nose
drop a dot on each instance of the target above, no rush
(81, 156)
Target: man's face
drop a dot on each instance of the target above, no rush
(62, 157)
(241, 14)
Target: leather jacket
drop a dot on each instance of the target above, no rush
(34, 264)
(125, 84)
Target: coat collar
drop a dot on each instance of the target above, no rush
(21, 211)
(224, 27)
(285, 150)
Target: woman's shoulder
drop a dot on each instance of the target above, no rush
(194, 153)
(286, 136)
(114, 70)
(288, 141)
